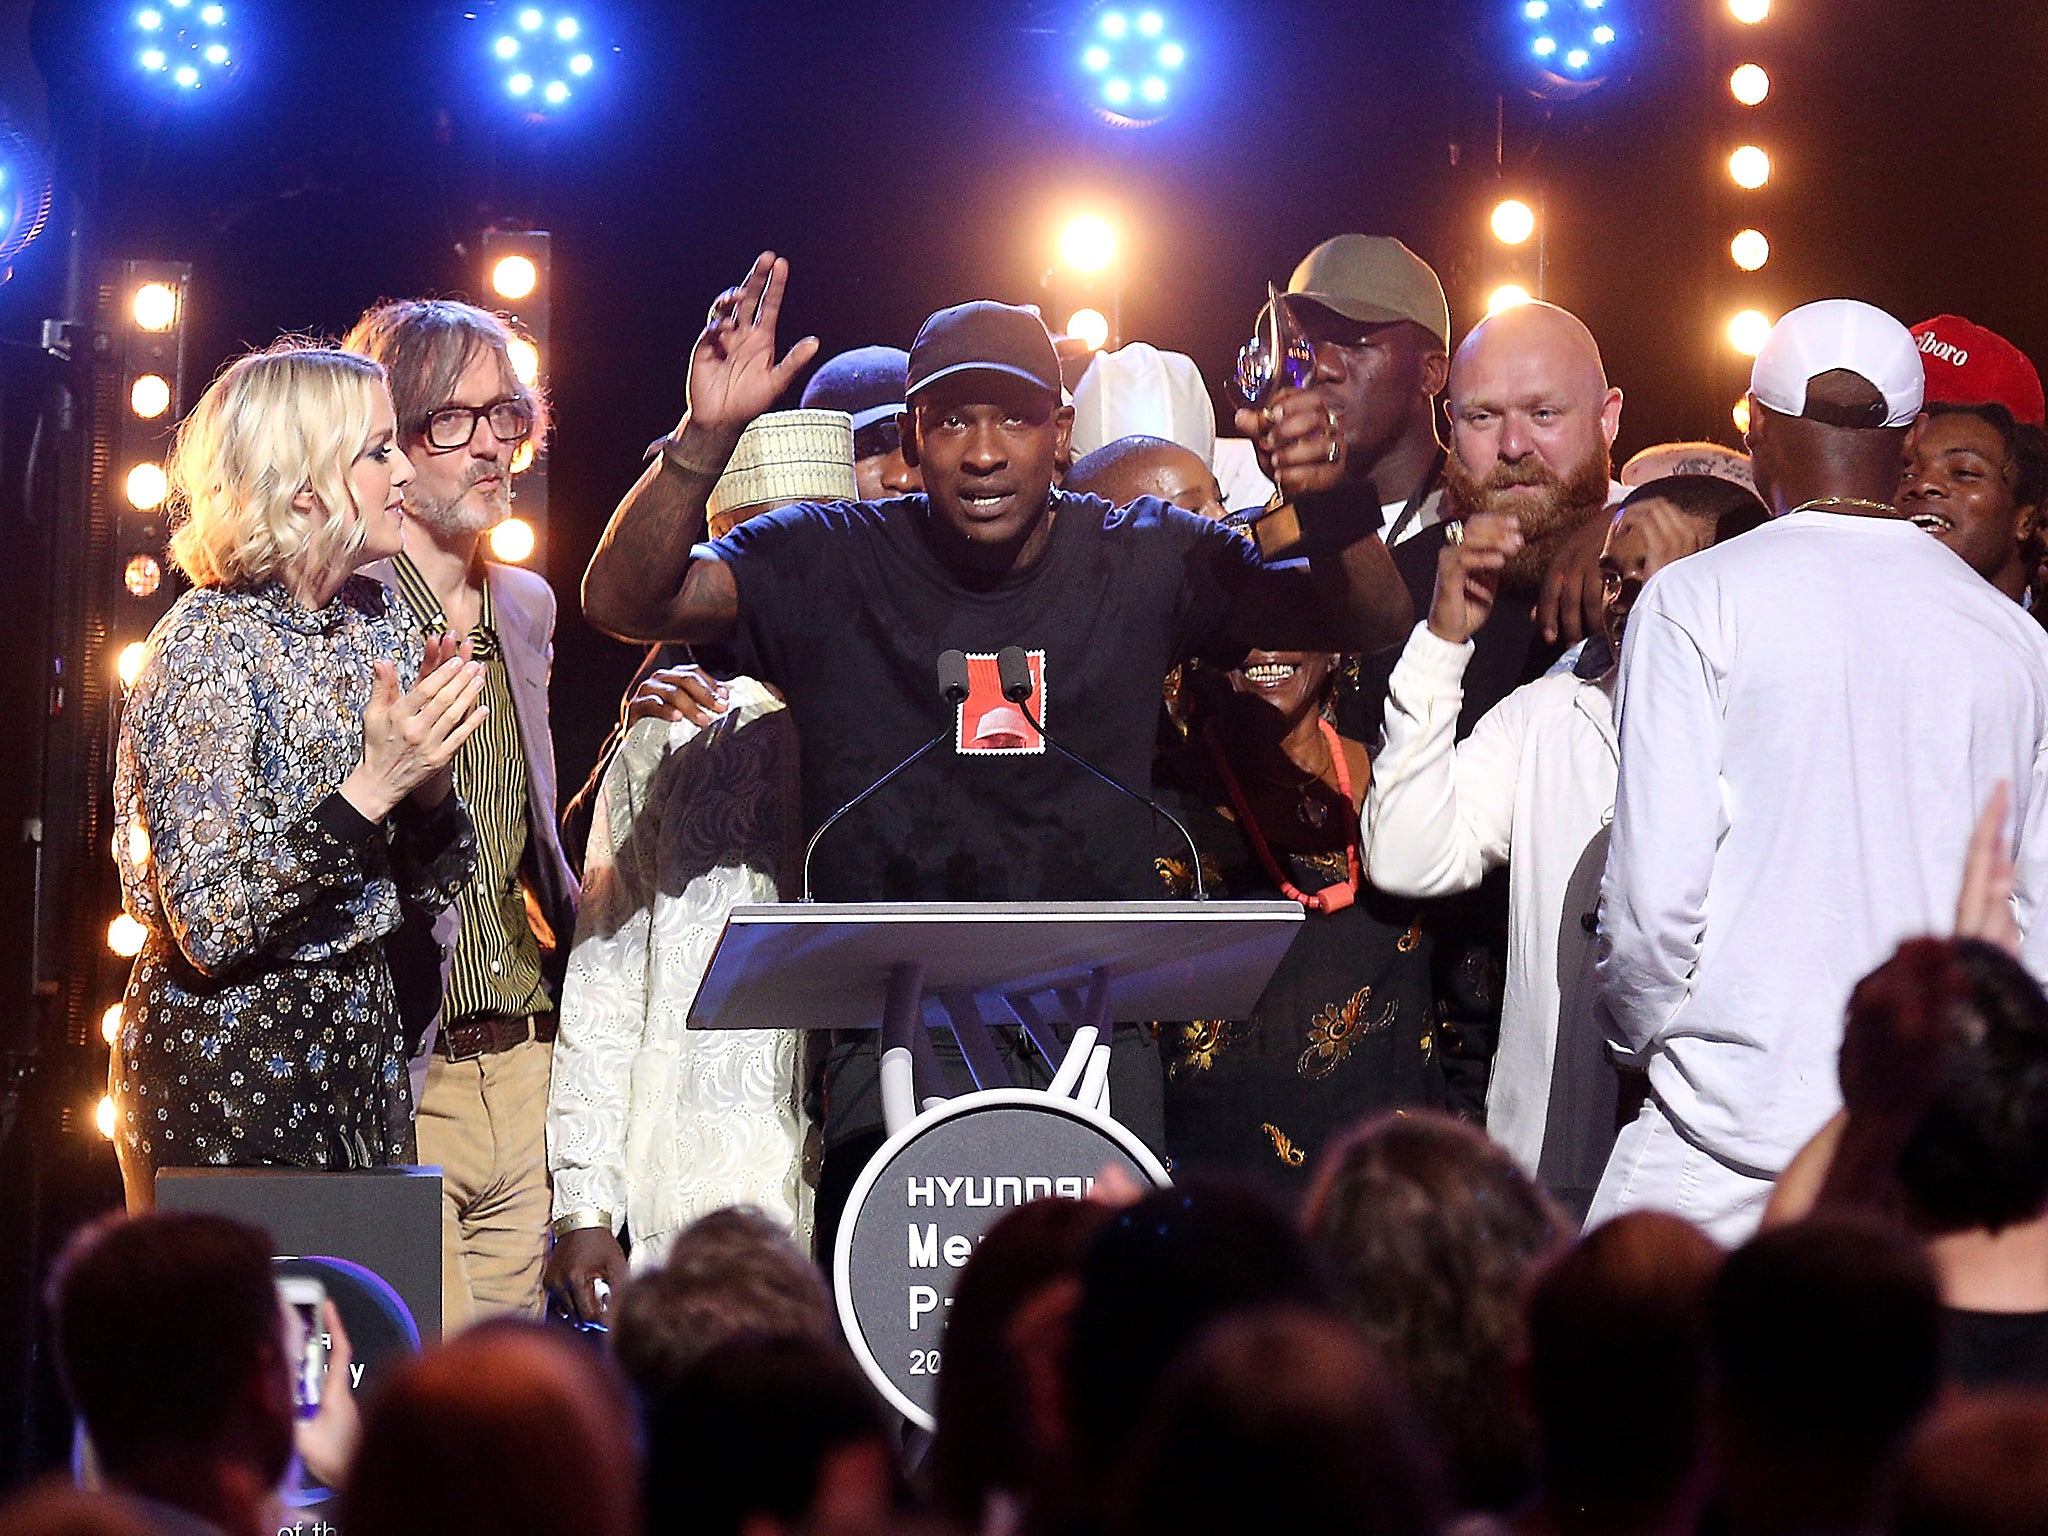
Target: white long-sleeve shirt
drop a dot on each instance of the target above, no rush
(1812, 717)
(648, 1120)
(1533, 788)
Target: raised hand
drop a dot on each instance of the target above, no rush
(1984, 910)
(734, 376)
(327, 1441)
(1468, 575)
(1297, 441)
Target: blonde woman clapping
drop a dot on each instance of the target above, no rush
(283, 773)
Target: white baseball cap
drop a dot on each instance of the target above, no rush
(1840, 334)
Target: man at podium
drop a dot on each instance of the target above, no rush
(845, 608)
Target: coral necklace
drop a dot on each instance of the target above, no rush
(1331, 898)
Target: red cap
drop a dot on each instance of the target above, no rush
(1968, 365)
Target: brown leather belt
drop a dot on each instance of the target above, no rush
(486, 1034)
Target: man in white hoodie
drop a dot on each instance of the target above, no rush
(1533, 788)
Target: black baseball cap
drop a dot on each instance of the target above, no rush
(984, 337)
(866, 383)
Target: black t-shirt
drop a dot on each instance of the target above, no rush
(845, 607)
(1994, 1349)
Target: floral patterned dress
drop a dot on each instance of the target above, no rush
(259, 1025)
(1343, 1030)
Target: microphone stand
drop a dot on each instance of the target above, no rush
(1015, 671)
(952, 675)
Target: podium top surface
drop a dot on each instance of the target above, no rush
(826, 965)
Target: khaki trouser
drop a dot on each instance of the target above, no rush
(484, 1121)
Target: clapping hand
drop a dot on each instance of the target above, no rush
(410, 739)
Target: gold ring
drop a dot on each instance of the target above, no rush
(1454, 532)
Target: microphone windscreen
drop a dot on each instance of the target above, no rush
(1013, 670)
(953, 677)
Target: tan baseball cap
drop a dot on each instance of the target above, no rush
(1375, 279)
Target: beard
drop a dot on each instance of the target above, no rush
(1558, 509)
(459, 516)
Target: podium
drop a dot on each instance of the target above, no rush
(951, 1166)
(964, 965)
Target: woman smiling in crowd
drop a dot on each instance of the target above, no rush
(1272, 793)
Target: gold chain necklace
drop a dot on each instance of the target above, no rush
(1830, 503)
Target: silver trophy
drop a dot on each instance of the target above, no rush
(1278, 356)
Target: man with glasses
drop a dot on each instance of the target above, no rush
(478, 985)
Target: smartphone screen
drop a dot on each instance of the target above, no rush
(304, 1300)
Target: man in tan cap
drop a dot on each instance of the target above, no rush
(696, 810)
(1376, 317)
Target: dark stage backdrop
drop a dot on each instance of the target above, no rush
(909, 156)
(906, 156)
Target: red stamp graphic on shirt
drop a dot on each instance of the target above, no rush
(986, 723)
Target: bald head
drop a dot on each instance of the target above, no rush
(1528, 384)
(1530, 339)
(1131, 467)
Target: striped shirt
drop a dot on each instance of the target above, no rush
(497, 965)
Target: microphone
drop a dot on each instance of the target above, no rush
(1013, 672)
(952, 674)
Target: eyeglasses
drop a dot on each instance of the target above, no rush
(453, 426)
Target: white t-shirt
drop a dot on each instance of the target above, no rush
(1811, 719)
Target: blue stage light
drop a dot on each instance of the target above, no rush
(544, 55)
(186, 50)
(24, 196)
(1131, 61)
(1571, 41)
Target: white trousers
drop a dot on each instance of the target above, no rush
(1654, 1168)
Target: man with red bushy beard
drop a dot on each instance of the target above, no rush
(1533, 421)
